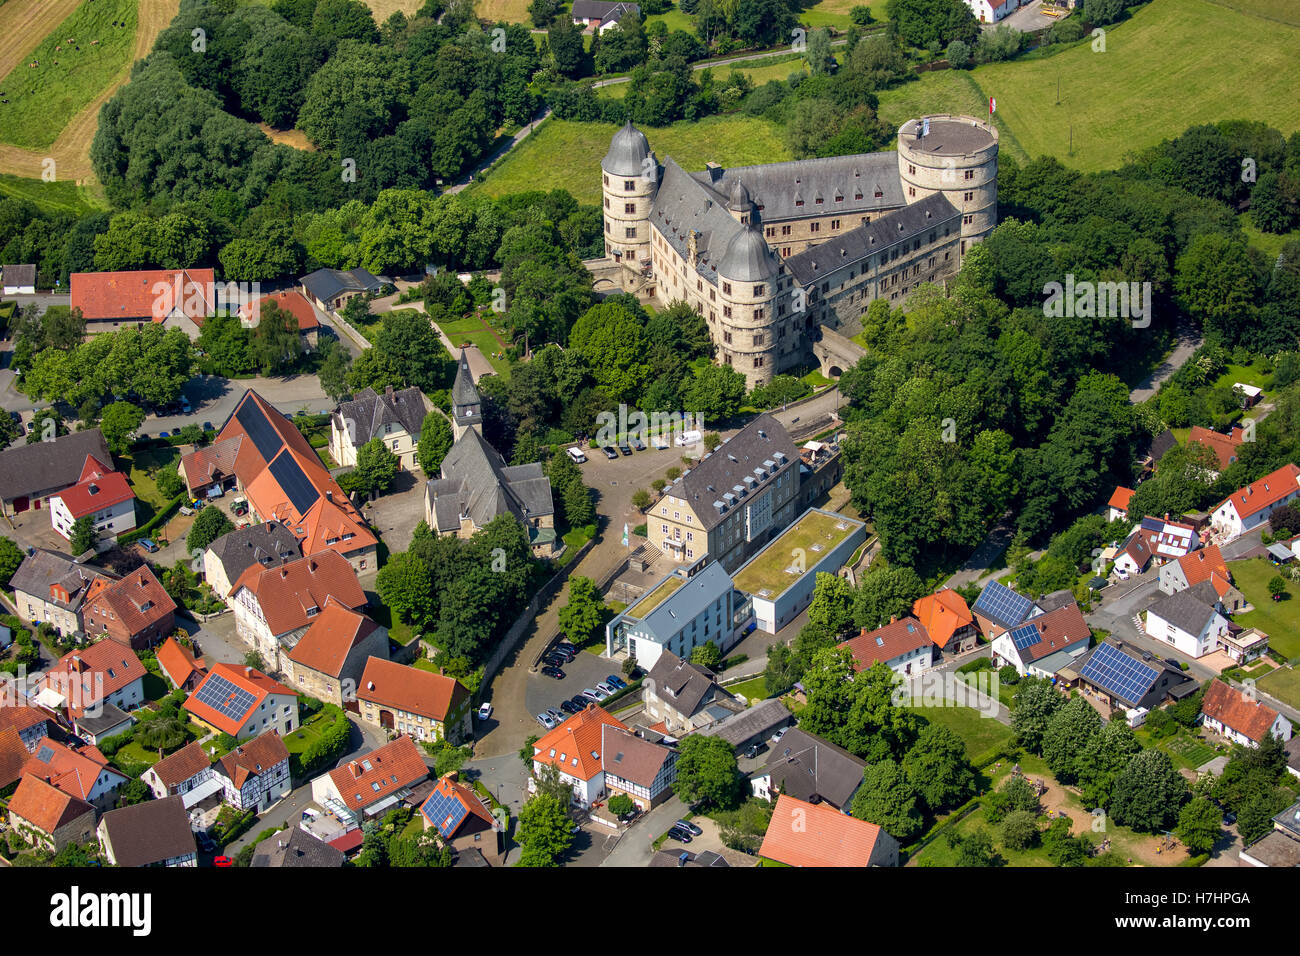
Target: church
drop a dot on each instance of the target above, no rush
(783, 259)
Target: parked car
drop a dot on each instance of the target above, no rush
(592, 695)
(577, 700)
(569, 707)
(547, 721)
(577, 455)
(485, 710)
(660, 441)
(688, 825)
(616, 682)
(556, 715)
(608, 691)
(610, 453)
(164, 435)
(680, 835)
(185, 406)
(638, 444)
(148, 545)
(625, 448)
(207, 427)
(223, 861)
(776, 737)
(206, 843)
(565, 645)
(554, 672)
(753, 750)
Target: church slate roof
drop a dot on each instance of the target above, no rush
(477, 481)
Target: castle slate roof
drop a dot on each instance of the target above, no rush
(684, 205)
(717, 474)
(477, 481)
(748, 257)
(900, 226)
(791, 190)
(629, 147)
(370, 412)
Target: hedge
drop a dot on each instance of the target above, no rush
(161, 518)
(332, 745)
(237, 823)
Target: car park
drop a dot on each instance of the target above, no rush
(592, 695)
(610, 453)
(625, 448)
(485, 710)
(547, 721)
(688, 825)
(554, 672)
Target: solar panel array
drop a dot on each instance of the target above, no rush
(1113, 670)
(302, 493)
(445, 811)
(265, 438)
(1025, 635)
(1002, 605)
(225, 698)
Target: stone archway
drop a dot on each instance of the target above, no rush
(834, 371)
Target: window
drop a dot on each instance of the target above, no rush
(629, 208)
(911, 190)
(785, 230)
(911, 171)
(967, 196)
(758, 361)
(606, 178)
(606, 202)
(967, 220)
(630, 232)
(770, 231)
(835, 224)
(814, 227)
(726, 337)
(726, 311)
(970, 174)
(759, 338)
(857, 195)
(798, 202)
(726, 288)
(759, 290)
(629, 185)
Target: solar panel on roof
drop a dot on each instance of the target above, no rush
(265, 438)
(225, 698)
(1025, 635)
(445, 811)
(1113, 670)
(1002, 605)
(302, 493)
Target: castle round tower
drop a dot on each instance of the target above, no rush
(748, 275)
(956, 156)
(629, 181)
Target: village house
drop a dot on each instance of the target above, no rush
(680, 697)
(811, 769)
(814, 834)
(83, 773)
(1191, 620)
(1117, 506)
(902, 645)
(601, 15)
(52, 587)
(1280, 846)
(752, 726)
(275, 606)
(395, 417)
(1134, 555)
(414, 702)
(331, 289)
(110, 721)
(291, 301)
(30, 474)
(1131, 682)
(946, 617)
(1044, 644)
(188, 774)
(135, 610)
(256, 773)
(29, 723)
(1249, 507)
(998, 609)
(370, 786)
(173, 298)
(268, 544)
(46, 816)
(242, 702)
(1224, 446)
(574, 748)
(13, 757)
(294, 848)
(463, 821)
(86, 678)
(639, 769)
(100, 494)
(153, 833)
(327, 662)
(18, 279)
(179, 665)
(1242, 718)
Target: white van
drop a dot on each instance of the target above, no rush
(689, 438)
(576, 454)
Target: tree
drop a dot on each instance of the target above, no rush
(119, 422)
(832, 603)
(938, 769)
(1103, 760)
(543, 830)
(133, 792)
(585, 612)
(170, 483)
(707, 655)
(1019, 830)
(1068, 732)
(1036, 701)
(335, 363)
(608, 338)
(1277, 587)
(11, 556)
(376, 468)
(1149, 793)
(641, 499)
(405, 585)
(716, 392)
(621, 804)
(435, 441)
(887, 799)
(707, 775)
(210, 525)
(1199, 825)
(973, 849)
(578, 508)
(1214, 279)
(82, 535)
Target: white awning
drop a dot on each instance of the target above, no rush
(382, 805)
(206, 789)
(51, 698)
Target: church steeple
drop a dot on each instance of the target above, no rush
(466, 405)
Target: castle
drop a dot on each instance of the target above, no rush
(782, 260)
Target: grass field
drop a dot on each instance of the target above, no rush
(1164, 70)
(1284, 684)
(472, 329)
(943, 91)
(51, 197)
(835, 13)
(674, 19)
(1280, 620)
(566, 155)
(982, 735)
(43, 99)
(511, 11)
(1267, 242)
(1284, 11)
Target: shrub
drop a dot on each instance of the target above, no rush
(979, 664)
(1009, 675)
(620, 804)
(1020, 830)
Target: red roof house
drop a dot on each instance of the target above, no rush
(944, 615)
(135, 610)
(152, 295)
(816, 834)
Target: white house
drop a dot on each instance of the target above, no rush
(687, 609)
(1189, 620)
(187, 774)
(575, 748)
(1241, 718)
(256, 773)
(395, 417)
(991, 11)
(100, 494)
(902, 645)
(1134, 555)
(1044, 643)
(18, 280)
(1249, 507)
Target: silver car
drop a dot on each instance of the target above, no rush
(547, 721)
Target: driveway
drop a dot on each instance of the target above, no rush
(395, 514)
(635, 847)
(1027, 19)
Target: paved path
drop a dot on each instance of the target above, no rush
(496, 154)
(636, 845)
(1186, 346)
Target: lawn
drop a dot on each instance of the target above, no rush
(835, 13)
(753, 689)
(1280, 620)
(42, 99)
(983, 736)
(1174, 64)
(1267, 242)
(141, 466)
(1284, 684)
(674, 19)
(566, 155)
(473, 329)
(58, 196)
(656, 596)
(1285, 11)
(307, 733)
(1253, 374)
(398, 630)
(942, 91)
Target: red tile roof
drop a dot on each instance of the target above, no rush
(185, 763)
(138, 601)
(1223, 446)
(145, 294)
(98, 488)
(379, 774)
(388, 684)
(575, 746)
(1265, 492)
(259, 755)
(89, 674)
(290, 300)
(466, 797)
(21, 717)
(942, 614)
(247, 679)
(288, 593)
(45, 806)
(816, 834)
(72, 771)
(1120, 498)
(895, 639)
(332, 635)
(1059, 629)
(204, 466)
(348, 841)
(13, 755)
(178, 662)
(1232, 708)
(1200, 565)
